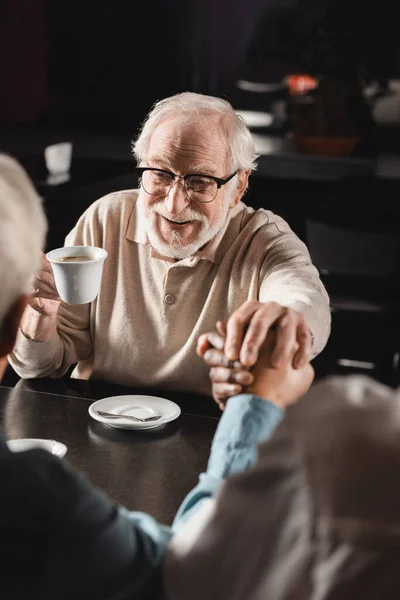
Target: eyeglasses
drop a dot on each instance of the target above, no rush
(199, 188)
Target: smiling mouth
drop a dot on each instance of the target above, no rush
(177, 222)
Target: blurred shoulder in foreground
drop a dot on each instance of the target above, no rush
(318, 516)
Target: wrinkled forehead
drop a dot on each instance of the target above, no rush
(190, 144)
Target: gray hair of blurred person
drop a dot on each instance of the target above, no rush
(196, 108)
(23, 229)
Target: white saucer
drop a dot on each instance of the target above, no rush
(56, 448)
(138, 406)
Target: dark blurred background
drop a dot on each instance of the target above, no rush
(318, 82)
(100, 65)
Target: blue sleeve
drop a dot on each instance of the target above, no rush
(246, 422)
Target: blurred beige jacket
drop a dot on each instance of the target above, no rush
(317, 518)
(142, 329)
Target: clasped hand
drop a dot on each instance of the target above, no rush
(263, 348)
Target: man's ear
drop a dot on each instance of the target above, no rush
(243, 177)
(10, 324)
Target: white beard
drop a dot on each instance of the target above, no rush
(175, 247)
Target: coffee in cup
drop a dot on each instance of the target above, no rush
(73, 258)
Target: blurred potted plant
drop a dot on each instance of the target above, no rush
(347, 47)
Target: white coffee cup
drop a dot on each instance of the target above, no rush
(52, 446)
(77, 281)
(58, 158)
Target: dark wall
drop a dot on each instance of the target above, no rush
(92, 62)
(23, 49)
(101, 64)
(109, 61)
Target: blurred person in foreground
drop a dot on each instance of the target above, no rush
(183, 250)
(318, 515)
(59, 536)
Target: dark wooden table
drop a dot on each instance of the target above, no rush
(149, 471)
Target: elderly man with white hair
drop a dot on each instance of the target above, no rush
(183, 250)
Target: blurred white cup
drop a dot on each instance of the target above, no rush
(77, 272)
(58, 158)
(52, 446)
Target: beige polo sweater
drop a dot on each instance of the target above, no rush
(143, 327)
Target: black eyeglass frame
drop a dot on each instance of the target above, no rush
(218, 180)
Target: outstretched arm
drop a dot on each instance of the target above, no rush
(248, 420)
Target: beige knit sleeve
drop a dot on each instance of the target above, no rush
(290, 279)
(72, 342)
